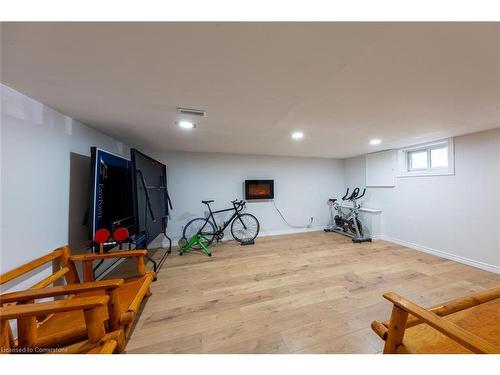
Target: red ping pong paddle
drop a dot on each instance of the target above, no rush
(101, 236)
(120, 234)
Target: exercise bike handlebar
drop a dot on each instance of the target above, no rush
(362, 195)
(354, 194)
(346, 194)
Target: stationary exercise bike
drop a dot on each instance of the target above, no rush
(346, 221)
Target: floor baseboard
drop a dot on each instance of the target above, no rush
(442, 254)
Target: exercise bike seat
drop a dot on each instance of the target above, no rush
(207, 202)
(332, 200)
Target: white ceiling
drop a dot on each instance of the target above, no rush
(342, 84)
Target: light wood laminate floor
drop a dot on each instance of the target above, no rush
(312, 292)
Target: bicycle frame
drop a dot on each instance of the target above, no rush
(237, 208)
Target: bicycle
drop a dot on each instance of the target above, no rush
(201, 232)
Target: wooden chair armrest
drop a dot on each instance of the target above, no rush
(455, 305)
(45, 308)
(380, 329)
(32, 294)
(456, 333)
(143, 290)
(21, 270)
(114, 254)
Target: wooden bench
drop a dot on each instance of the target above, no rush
(67, 327)
(464, 325)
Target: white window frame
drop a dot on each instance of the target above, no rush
(409, 163)
(404, 159)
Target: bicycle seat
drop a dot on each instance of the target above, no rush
(333, 200)
(207, 202)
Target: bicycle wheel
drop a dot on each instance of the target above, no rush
(245, 228)
(194, 227)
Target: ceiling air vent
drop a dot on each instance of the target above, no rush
(192, 112)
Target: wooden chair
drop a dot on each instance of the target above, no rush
(465, 325)
(66, 327)
(97, 342)
(129, 296)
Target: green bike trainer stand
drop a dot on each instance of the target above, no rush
(197, 239)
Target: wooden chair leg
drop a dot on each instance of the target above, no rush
(95, 325)
(141, 267)
(397, 326)
(114, 309)
(27, 327)
(5, 342)
(88, 271)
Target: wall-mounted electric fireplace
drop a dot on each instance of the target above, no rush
(259, 189)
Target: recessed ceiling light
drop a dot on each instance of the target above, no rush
(186, 125)
(375, 142)
(297, 135)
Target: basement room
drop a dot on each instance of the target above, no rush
(250, 188)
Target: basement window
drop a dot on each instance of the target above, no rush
(429, 159)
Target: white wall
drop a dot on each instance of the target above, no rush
(302, 187)
(44, 159)
(355, 172)
(454, 216)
